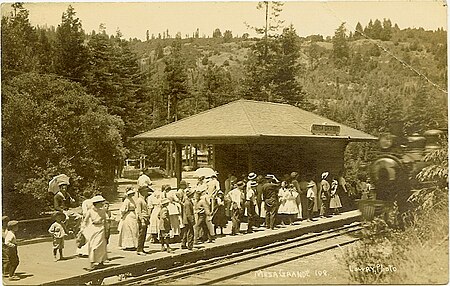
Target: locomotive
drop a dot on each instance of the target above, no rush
(393, 173)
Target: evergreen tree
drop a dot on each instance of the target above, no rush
(386, 34)
(341, 50)
(227, 36)
(71, 53)
(377, 30)
(217, 86)
(217, 33)
(358, 32)
(175, 80)
(287, 68)
(368, 30)
(19, 40)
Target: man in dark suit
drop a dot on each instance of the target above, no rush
(270, 197)
(187, 241)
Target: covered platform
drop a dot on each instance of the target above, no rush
(262, 137)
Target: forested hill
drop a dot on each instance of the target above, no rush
(377, 81)
(72, 99)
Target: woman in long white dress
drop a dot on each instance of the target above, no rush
(154, 205)
(289, 206)
(335, 200)
(174, 208)
(95, 232)
(128, 226)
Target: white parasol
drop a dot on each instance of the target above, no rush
(53, 185)
(205, 172)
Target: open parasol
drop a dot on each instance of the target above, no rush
(204, 172)
(53, 185)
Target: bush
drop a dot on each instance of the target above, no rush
(51, 126)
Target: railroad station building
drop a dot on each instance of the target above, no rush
(262, 137)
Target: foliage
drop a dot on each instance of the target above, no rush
(341, 50)
(175, 80)
(19, 40)
(70, 52)
(51, 126)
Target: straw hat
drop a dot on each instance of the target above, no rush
(310, 185)
(130, 191)
(324, 175)
(251, 176)
(97, 199)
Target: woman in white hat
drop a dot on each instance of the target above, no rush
(129, 228)
(95, 232)
(324, 196)
(335, 200)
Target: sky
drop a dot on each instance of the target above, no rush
(308, 17)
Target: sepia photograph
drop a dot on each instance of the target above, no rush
(224, 142)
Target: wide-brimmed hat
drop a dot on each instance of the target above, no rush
(190, 192)
(183, 183)
(63, 183)
(59, 214)
(324, 175)
(294, 174)
(130, 191)
(97, 199)
(144, 188)
(12, 223)
(240, 184)
(252, 176)
(310, 185)
(253, 184)
(272, 177)
(165, 201)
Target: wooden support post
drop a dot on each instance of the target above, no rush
(178, 163)
(250, 158)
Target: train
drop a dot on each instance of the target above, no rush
(393, 173)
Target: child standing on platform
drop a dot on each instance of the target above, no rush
(164, 225)
(58, 232)
(11, 246)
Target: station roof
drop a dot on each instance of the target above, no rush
(248, 121)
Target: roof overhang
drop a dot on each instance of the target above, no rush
(256, 139)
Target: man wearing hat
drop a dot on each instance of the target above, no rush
(270, 197)
(5, 220)
(11, 247)
(201, 212)
(250, 202)
(187, 239)
(143, 217)
(62, 202)
(237, 199)
(144, 179)
(324, 195)
(310, 196)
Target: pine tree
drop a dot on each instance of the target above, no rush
(19, 40)
(358, 31)
(175, 80)
(341, 50)
(71, 53)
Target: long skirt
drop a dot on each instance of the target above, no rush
(96, 242)
(129, 231)
(154, 221)
(335, 202)
(175, 224)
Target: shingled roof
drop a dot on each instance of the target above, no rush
(248, 119)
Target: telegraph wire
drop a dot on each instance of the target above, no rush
(416, 71)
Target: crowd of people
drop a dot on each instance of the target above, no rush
(188, 215)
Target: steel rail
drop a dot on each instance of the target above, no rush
(218, 262)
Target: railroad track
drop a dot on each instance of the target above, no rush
(223, 268)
